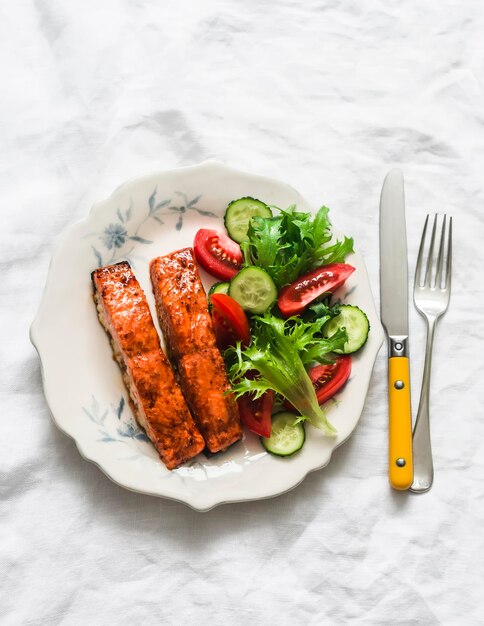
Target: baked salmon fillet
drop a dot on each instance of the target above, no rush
(158, 403)
(181, 305)
(204, 382)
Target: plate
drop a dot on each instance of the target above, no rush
(142, 219)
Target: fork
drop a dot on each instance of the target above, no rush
(431, 297)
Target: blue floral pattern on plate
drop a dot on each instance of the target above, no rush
(125, 428)
(117, 236)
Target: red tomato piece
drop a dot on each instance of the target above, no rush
(294, 298)
(328, 379)
(223, 332)
(217, 253)
(229, 321)
(256, 414)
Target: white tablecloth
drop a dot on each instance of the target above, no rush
(327, 96)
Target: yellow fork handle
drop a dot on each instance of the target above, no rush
(400, 458)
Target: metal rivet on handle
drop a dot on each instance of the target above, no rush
(398, 346)
(400, 462)
(399, 384)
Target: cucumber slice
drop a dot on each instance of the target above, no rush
(356, 324)
(239, 213)
(287, 435)
(217, 288)
(253, 289)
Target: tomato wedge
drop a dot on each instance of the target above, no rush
(229, 321)
(294, 298)
(328, 379)
(256, 414)
(217, 253)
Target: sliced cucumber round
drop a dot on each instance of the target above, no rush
(239, 213)
(356, 324)
(219, 288)
(287, 435)
(253, 289)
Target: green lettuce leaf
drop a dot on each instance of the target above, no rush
(280, 352)
(293, 243)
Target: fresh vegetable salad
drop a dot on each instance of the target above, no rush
(286, 343)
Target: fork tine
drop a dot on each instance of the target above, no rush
(418, 268)
(440, 260)
(449, 257)
(428, 271)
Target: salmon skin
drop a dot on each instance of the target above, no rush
(181, 305)
(159, 405)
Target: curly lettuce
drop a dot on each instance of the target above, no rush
(280, 352)
(293, 243)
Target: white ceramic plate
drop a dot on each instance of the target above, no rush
(142, 219)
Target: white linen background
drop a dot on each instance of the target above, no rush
(327, 96)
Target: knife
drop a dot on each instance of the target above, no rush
(394, 315)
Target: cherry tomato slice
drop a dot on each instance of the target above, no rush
(295, 298)
(217, 254)
(328, 379)
(224, 333)
(229, 321)
(256, 414)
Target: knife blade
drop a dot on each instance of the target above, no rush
(394, 315)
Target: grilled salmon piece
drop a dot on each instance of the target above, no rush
(204, 382)
(159, 405)
(181, 304)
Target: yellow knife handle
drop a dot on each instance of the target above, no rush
(400, 471)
